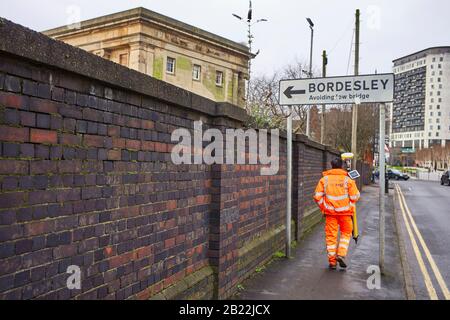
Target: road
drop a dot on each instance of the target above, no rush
(424, 211)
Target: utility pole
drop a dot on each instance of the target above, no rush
(322, 118)
(355, 106)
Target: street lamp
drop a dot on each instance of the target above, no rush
(308, 112)
(250, 39)
(311, 26)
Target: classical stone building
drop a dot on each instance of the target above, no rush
(167, 49)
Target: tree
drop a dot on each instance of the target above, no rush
(263, 106)
(338, 123)
(435, 157)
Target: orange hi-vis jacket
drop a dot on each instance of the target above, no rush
(336, 193)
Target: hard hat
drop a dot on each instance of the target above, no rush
(347, 155)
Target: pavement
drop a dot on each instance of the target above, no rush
(306, 274)
(425, 211)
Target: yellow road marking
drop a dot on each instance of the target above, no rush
(423, 269)
(434, 267)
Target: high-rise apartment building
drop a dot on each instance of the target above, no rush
(421, 109)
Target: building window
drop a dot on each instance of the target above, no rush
(170, 66)
(196, 72)
(434, 59)
(123, 59)
(439, 66)
(437, 134)
(441, 59)
(219, 78)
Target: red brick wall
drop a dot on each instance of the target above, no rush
(86, 179)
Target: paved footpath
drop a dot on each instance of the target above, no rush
(306, 275)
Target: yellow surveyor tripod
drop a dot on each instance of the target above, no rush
(347, 157)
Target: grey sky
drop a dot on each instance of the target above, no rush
(389, 29)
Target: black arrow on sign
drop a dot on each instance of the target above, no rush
(289, 92)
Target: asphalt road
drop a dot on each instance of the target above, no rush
(427, 242)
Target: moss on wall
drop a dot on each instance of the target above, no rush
(184, 64)
(158, 64)
(230, 90)
(209, 81)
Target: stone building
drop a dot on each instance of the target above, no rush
(167, 49)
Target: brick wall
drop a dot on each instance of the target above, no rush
(86, 179)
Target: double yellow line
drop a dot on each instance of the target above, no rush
(406, 213)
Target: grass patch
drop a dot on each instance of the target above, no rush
(260, 269)
(279, 255)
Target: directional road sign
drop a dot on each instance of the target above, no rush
(338, 90)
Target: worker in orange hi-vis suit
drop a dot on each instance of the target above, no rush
(336, 195)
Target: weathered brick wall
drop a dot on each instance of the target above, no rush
(86, 179)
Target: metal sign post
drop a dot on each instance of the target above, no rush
(382, 171)
(374, 88)
(289, 184)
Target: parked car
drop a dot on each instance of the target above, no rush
(397, 175)
(445, 178)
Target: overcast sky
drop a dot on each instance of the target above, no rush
(389, 29)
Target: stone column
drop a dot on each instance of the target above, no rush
(138, 57)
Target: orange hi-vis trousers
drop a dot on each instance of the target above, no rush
(332, 224)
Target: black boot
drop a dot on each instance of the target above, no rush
(341, 262)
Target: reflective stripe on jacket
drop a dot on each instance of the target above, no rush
(336, 193)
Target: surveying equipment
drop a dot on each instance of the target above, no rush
(353, 174)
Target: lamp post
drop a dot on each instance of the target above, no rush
(249, 39)
(308, 112)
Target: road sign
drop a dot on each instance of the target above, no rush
(338, 90)
(408, 150)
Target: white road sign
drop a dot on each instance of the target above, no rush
(338, 90)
